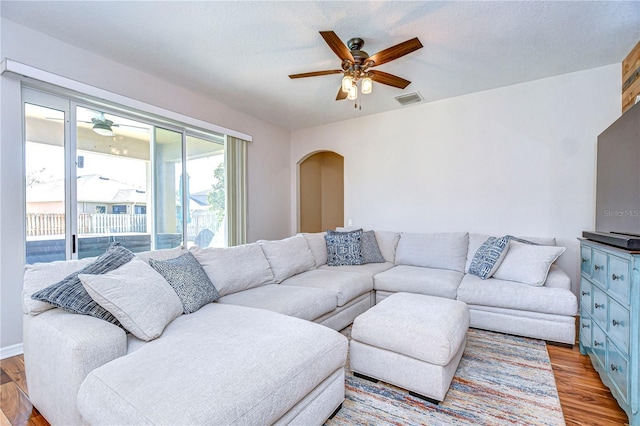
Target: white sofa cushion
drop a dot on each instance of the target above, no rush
(163, 254)
(345, 285)
(233, 269)
(446, 250)
(137, 296)
(527, 263)
(306, 303)
(318, 246)
(415, 279)
(288, 257)
(252, 369)
(514, 295)
(370, 269)
(557, 278)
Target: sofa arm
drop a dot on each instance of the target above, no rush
(557, 278)
(60, 350)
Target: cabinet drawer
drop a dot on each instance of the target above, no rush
(619, 325)
(598, 343)
(599, 268)
(619, 278)
(617, 369)
(585, 260)
(586, 291)
(599, 307)
(585, 329)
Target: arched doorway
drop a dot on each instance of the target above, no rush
(321, 192)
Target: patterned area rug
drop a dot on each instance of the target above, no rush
(501, 380)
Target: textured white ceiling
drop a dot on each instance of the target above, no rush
(242, 52)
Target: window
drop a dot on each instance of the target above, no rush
(117, 177)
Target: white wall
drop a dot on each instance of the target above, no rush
(268, 154)
(517, 160)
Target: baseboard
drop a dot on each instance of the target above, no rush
(9, 351)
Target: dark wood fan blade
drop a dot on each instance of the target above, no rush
(338, 47)
(395, 52)
(388, 79)
(341, 95)
(315, 73)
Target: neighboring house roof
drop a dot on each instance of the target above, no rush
(91, 189)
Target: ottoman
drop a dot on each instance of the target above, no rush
(412, 341)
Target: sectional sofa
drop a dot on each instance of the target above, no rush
(266, 352)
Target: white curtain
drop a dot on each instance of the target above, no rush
(235, 164)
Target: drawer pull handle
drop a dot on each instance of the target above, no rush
(598, 267)
(586, 293)
(615, 323)
(586, 326)
(614, 367)
(596, 343)
(598, 305)
(615, 277)
(584, 260)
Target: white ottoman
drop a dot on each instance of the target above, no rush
(412, 341)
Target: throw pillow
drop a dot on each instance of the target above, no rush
(527, 263)
(370, 250)
(489, 257)
(288, 257)
(70, 295)
(138, 296)
(344, 248)
(189, 281)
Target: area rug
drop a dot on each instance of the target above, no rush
(501, 380)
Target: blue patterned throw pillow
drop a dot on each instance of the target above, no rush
(344, 248)
(190, 282)
(489, 256)
(70, 295)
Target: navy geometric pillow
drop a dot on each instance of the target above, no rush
(189, 281)
(344, 248)
(70, 295)
(370, 250)
(489, 256)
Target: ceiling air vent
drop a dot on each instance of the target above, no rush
(409, 98)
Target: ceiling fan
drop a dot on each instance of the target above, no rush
(356, 65)
(102, 125)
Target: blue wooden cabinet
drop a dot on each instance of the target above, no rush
(609, 319)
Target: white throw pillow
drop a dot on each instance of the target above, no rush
(527, 263)
(233, 269)
(138, 296)
(288, 257)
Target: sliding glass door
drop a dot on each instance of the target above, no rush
(94, 176)
(46, 179)
(113, 182)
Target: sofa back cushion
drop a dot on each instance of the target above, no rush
(446, 250)
(318, 247)
(39, 276)
(233, 269)
(387, 243)
(288, 257)
(476, 240)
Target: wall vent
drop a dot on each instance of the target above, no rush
(409, 98)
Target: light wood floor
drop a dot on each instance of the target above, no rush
(585, 400)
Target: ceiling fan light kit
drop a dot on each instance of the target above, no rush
(356, 65)
(102, 126)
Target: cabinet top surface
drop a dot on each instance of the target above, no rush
(608, 247)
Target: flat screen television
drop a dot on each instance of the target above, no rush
(618, 183)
